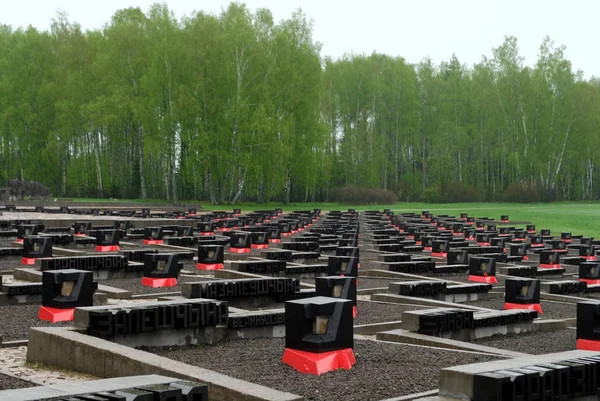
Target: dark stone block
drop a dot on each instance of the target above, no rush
(70, 288)
(588, 320)
(346, 265)
(522, 291)
(336, 287)
(482, 266)
(162, 265)
(319, 324)
(240, 288)
(211, 254)
(37, 247)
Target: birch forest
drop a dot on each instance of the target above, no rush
(239, 107)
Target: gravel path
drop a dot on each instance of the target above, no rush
(365, 282)
(15, 321)
(9, 383)
(382, 370)
(9, 263)
(376, 312)
(534, 343)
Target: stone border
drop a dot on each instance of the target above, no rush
(65, 348)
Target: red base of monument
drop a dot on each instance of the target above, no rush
(239, 250)
(317, 364)
(589, 281)
(530, 231)
(439, 254)
(28, 261)
(286, 234)
(483, 279)
(224, 230)
(54, 315)
(426, 249)
(537, 245)
(588, 345)
(589, 258)
(208, 233)
(110, 248)
(354, 312)
(259, 246)
(214, 266)
(484, 243)
(158, 282)
(536, 307)
(19, 240)
(550, 266)
(274, 240)
(79, 235)
(153, 242)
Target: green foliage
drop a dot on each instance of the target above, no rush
(521, 192)
(353, 195)
(236, 107)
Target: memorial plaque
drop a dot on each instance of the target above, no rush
(210, 256)
(36, 247)
(482, 269)
(162, 265)
(589, 272)
(240, 242)
(104, 262)
(163, 315)
(240, 288)
(523, 292)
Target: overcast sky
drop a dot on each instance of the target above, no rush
(412, 29)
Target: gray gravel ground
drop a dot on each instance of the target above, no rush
(10, 383)
(534, 343)
(382, 370)
(377, 312)
(15, 321)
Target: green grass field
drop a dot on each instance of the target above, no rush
(575, 217)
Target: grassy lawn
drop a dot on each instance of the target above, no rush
(575, 217)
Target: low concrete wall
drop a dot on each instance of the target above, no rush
(65, 348)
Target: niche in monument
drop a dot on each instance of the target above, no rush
(530, 228)
(483, 239)
(337, 287)
(566, 237)
(240, 242)
(464, 216)
(587, 252)
(504, 218)
(237, 212)
(319, 335)
(63, 291)
(457, 257)
(522, 294)
(161, 270)
(36, 247)
(106, 240)
(482, 270)
(210, 257)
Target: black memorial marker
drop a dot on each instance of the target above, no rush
(210, 257)
(342, 266)
(36, 247)
(24, 230)
(161, 270)
(588, 325)
(482, 270)
(63, 291)
(519, 250)
(439, 248)
(260, 240)
(337, 287)
(206, 228)
(240, 242)
(522, 293)
(587, 252)
(80, 228)
(589, 272)
(106, 240)
(530, 229)
(549, 260)
(536, 241)
(319, 335)
(566, 237)
(153, 235)
(504, 218)
(483, 239)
